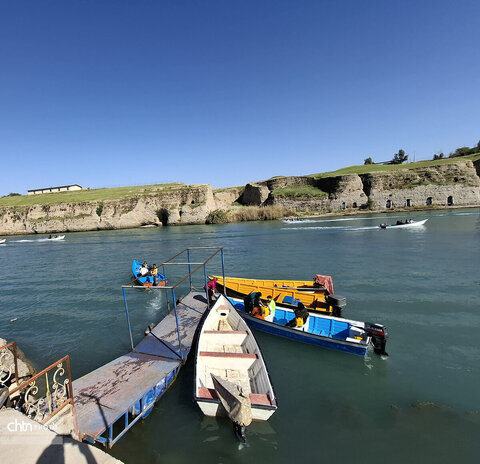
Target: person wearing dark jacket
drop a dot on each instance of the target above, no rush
(301, 316)
(251, 301)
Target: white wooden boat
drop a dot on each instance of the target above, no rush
(227, 349)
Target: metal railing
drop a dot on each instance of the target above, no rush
(167, 288)
(7, 367)
(56, 383)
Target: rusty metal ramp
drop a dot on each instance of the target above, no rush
(124, 390)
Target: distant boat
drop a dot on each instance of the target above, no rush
(148, 280)
(3, 240)
(230, 374)
(57, 237)
(291, 221)
(330, 332)
(401, 224)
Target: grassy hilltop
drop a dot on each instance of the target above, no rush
(105, 194)
(88, 195)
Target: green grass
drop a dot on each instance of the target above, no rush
(87, 195)
(298, 192)
(368, 168)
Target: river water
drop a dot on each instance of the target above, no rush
(421, 405)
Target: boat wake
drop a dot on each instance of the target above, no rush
(347, 228)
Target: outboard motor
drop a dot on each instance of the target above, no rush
(337, 303)
(379, 336)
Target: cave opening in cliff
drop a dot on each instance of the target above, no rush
(163, 215)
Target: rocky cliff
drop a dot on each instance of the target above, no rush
(175, 205)
(453, 184)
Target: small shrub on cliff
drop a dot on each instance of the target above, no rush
(217, 216)
(368, 160)
(99, 209)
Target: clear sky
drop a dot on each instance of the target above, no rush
(107, 93)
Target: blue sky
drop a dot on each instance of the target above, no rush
(108, 93)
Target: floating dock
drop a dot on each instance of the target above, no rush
(124, 390)
(112, 398)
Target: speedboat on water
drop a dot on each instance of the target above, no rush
(403, 224)
(3, 240)
(291, 221)
(56, 237)
(330, 332)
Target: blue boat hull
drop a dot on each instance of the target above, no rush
(146, 281)
(301, 336)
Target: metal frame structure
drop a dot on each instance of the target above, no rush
(143, 406)
(164, 265)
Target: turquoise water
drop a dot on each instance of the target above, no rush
(421, 405)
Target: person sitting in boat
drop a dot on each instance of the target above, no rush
(301, 316)
(143, 270)
(154, 273)
(271, 307)
(252, 301)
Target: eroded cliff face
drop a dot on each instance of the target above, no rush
(452, 184)
(177, 205)
(455, 184)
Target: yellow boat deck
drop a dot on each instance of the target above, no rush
(285, 292)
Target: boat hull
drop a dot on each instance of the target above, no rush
(213, 408)
(147, 281)
(227, 348)
(300, 335)
(286, 292)
(403, 226)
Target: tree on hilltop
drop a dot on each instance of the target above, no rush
(438, 156)
(399, 157)
(369, 160)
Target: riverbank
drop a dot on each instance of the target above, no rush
(432, 187)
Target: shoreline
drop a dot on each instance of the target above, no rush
(350, 213)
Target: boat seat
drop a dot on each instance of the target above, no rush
(223, 337)
(225, 332)
(255, 398)
(222, 360)
(220, 354)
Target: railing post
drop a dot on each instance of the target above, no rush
(176, 321)
(128, 318)
(189, 268)
(206, 288)
(223, 273)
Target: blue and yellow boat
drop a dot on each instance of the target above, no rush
(148, 280)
